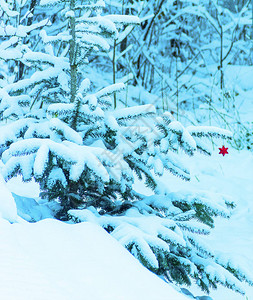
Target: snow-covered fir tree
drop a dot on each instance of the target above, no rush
(85, 154)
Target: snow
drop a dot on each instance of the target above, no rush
(6, 44)
(36, 78)
(4, 7)
(94, 40)
(70, 14)
(70, 134)
(146, 233)
(33, 210)
(53, 260)
(100, 22)
(56, 175)
(87, 156)
(209, 131)
(132, 112)
(12, 130)
(8, 209)
(117, 87)
(123, 19)
(62, 36)
(84, 86)
(10, 54)
(122, 36)
(49, 2)
(20, 30)
(64, 109)
(46, 58)
(28, 146)
(240, 76)
(26, 189)
(158, 166)
(41, 160)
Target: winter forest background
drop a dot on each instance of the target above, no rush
(114, 119)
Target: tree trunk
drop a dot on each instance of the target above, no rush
(73, 53)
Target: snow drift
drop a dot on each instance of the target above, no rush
(54, 260)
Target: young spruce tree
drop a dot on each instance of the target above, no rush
(84, 154)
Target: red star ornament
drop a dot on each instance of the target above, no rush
(223, 150)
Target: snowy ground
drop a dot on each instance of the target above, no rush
(51, 260)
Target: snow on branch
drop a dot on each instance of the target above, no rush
(21, 30)
(29, 146)
(94, 40)
(63, 109)
(36, 78)
(109, 90)
(46, 58)
(134, 112)
(11, 132)
(103, 23)
(209, 131)
(70, 134)
(123, 19)
(60, 37)
(99, 5)
(5, 8)
(50, 2)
